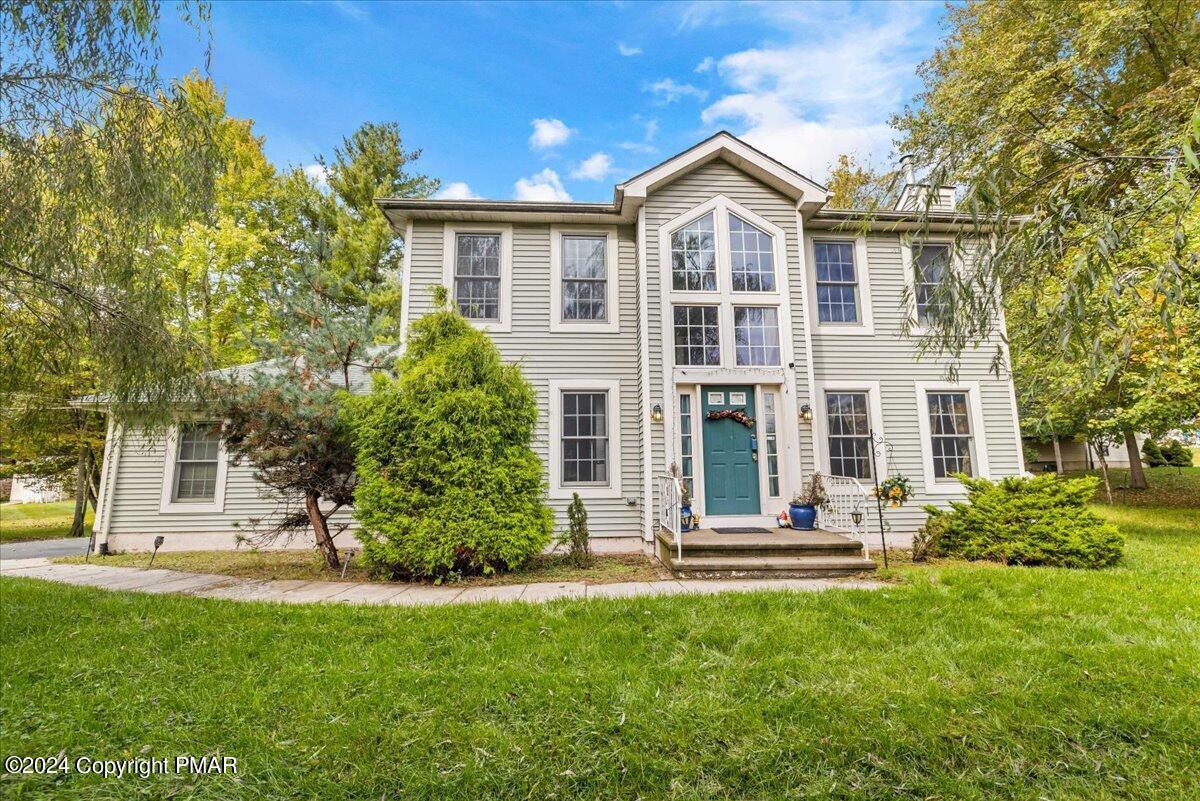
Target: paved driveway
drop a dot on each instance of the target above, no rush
(70, 546)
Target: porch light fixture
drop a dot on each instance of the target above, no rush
(656, 413)
(806, 413)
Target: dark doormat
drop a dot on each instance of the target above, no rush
(742, 530)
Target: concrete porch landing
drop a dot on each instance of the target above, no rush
(777, 553)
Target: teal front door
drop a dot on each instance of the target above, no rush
(730, 464)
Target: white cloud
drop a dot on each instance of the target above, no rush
(628, 50)
(804, 101)
(318, 174)
(350, 10)
(549, 133)
(544, 186)
(670, 90)
(595, 167)
(646, 145)
(456, 190)
(705, 65)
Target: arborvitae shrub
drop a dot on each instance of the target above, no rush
(1176, 454)
(448, 481)
(1043, 520)
(576, 538)
(1153, 454)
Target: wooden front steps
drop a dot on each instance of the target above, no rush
(779, 553)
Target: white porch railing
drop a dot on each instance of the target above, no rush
(670, 493)
(846, 495)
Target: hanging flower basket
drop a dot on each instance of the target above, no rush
(895, 490)
(736, 415)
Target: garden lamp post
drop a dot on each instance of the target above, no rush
(879, 447)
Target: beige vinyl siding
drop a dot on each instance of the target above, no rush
(545, 355)
(136, 514)
(891, 359)
(694, 189)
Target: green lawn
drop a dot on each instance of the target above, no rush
(965, 681)
(37, 521)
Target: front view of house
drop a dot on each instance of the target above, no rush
(714, 316)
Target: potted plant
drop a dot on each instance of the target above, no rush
(803, 508)
(894, 490)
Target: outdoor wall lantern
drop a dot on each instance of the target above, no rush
(806, 413)
(656, 413)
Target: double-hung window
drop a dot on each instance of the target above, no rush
(197, 463)
(584, 278)
(756, 336)
(837, 282)
(952, 440)
(931, 266)
(584, 438)
(694, 256)
(477, 275)
(751, 257)
(848, 419)
(697, 335)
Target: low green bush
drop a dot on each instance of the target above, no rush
(1176, 453)
(1041, 520)
(1153, 454)
(449, 483)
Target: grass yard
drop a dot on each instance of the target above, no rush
(964, 681)
(300, 564)
(37, 521)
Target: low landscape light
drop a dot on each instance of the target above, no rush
(158, 541)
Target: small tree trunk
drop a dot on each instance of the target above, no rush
(1103, 471)
(321, 528)
(81, 492)
(1137, 475)
(1058, 465)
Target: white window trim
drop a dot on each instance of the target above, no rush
(449, 252)
(978, 434)
(874, 409)
(167, 503)
(725, 298)
(862, 274)
(910, 277)
(612, 279)
(613, 389)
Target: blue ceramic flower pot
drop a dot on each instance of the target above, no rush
(803, 517)
(685, 518)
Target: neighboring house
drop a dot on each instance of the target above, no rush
(1078, 455)
(31, 489)
(715, 281)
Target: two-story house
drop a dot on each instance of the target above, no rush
(715, 282)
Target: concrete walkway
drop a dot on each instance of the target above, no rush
(240, 589)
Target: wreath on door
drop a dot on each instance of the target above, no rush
(736, 415)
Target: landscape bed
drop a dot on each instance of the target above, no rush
(964, 681)
(307, 566)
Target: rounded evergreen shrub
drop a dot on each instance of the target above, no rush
(448, 481)
(1042, 520)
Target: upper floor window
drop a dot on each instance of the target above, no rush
(751, 257)
(756, 336)
(837, 282)
(694, 256)
(931, 266)
(197, 460)
(584, 278)
(477, 276)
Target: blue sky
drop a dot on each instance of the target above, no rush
(561, 101)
